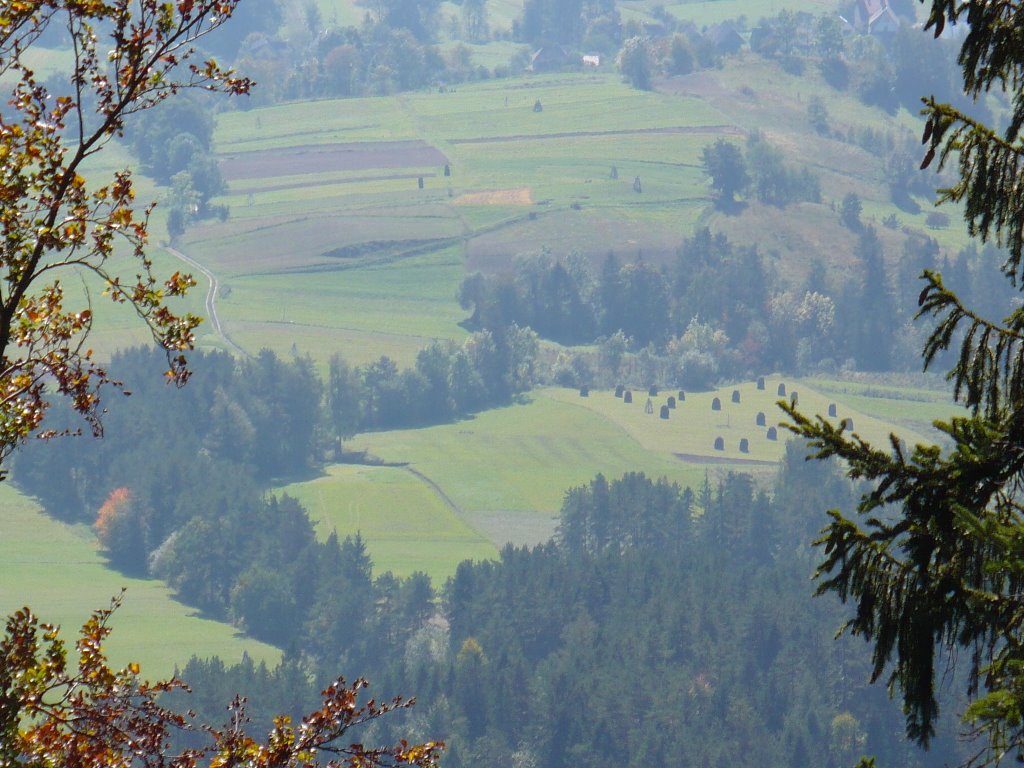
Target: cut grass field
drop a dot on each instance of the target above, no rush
(56, 570)
(332, 245)
(390, 309)
(505, 471)
(407, 526)
(692, 428)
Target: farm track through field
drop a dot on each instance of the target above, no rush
(730, 130)
(696, 458)
(444, 497)
(211, 297)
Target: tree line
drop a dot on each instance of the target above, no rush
(177, 489)
(718, 310)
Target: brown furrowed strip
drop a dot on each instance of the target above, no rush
(326, 158)
(236, 189)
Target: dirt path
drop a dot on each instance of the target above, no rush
(211, 297)
(440, 494)
(696, 458)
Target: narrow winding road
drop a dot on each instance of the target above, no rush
(211, 297)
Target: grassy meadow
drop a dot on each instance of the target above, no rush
(407, 525)
(56, 569)
(505, 471)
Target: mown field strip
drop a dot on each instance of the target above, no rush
(407, 525)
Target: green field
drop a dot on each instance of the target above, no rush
(407, 525)
(506, 469)
(356, 259)
(504, 472)
(56, 569)
(693, 426)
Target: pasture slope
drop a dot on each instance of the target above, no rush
(56, 569)
(503, 473)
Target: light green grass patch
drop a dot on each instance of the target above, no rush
(55, 569)
(406, 525)
(302, 242)
(570, 105)
(496, 53)
(362, 313)
(501, 13)
(356, 347)
(693, 426)
(567, 170)
(313, 122)
(507, 469)
(916, 407)
(654, 232)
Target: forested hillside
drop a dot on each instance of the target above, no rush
(659, 623)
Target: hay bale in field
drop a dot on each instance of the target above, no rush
(832, 411)
(744, 445)
(735, 395)
(664, 411)
(585, 391)
(719, 444)
(671, 403)
(681, 397)
(627, 396)
(716, 404)
(619, 389)
(760, 382)
(760, 419)
(652, 391)
(773, 433)
(782, 390)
